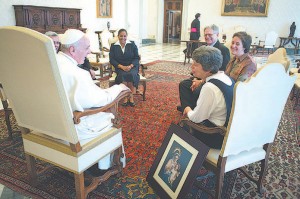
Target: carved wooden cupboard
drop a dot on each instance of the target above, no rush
(43, 19)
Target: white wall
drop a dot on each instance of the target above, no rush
(281, 14)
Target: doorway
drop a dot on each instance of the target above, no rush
(172, 21)
(173, 26)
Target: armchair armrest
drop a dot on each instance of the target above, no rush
(112, 107)
(200, 127)
(97, 54)
(105, 49)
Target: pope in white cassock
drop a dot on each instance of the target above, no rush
(81, 90)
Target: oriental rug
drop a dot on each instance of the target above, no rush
(144, 128)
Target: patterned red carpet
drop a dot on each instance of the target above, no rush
(144, 128)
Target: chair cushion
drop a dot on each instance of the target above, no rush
(59, 152)
(113, 77)
(236, 161)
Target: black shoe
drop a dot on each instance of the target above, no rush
(179, 108)
(132, 104)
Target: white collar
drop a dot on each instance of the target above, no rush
(118, 42)
(68, 57)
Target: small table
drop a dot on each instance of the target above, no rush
(293, 40)
(191, 45)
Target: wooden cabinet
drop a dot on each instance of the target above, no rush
(43, 19)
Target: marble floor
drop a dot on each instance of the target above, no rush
(149, 53)
(170, 52)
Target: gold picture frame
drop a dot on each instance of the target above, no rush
(251, 8)
(176, 164)
(104, 8)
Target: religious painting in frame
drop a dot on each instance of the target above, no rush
(104, 8)
(176, 164)
(251, 8)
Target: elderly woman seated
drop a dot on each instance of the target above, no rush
(124, 57)
(215, 99)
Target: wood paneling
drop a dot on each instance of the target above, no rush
(43, 19)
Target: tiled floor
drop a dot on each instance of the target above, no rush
(149, 53)
(170, 52)
(173, 52)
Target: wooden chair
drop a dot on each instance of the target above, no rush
(268, 44)
(143, 79)
(252, 126)
(100, 60)
(7, 111)
(100, 63)
(43, 112)
(190, 47)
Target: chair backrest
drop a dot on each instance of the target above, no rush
(240, 28)
(270, 40)
(257, 108)
(32, 83)
(279, 56)
(112, 40)
(104, 37)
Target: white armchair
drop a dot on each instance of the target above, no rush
(268, 44)
(43, 112)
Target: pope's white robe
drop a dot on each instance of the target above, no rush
(82, 94)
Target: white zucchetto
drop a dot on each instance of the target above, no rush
(71, 36)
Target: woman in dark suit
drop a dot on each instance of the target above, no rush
(124, 57)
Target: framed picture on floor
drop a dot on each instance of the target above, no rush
(104, 8)
(253, 8)
(176, 164)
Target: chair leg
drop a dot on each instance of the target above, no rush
(7, 121)
(220, 176)
(219, 183)
(79, 186)
(31, 169)
(264, 166)
(101, 70)
(144, 91)
(117, 161)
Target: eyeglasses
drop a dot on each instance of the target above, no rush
(208, 35)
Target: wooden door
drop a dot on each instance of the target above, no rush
(171, 7)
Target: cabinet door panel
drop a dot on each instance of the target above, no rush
(72, 18)
(36, 19)
(54, 19)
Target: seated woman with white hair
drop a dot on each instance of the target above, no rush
(215, 99)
